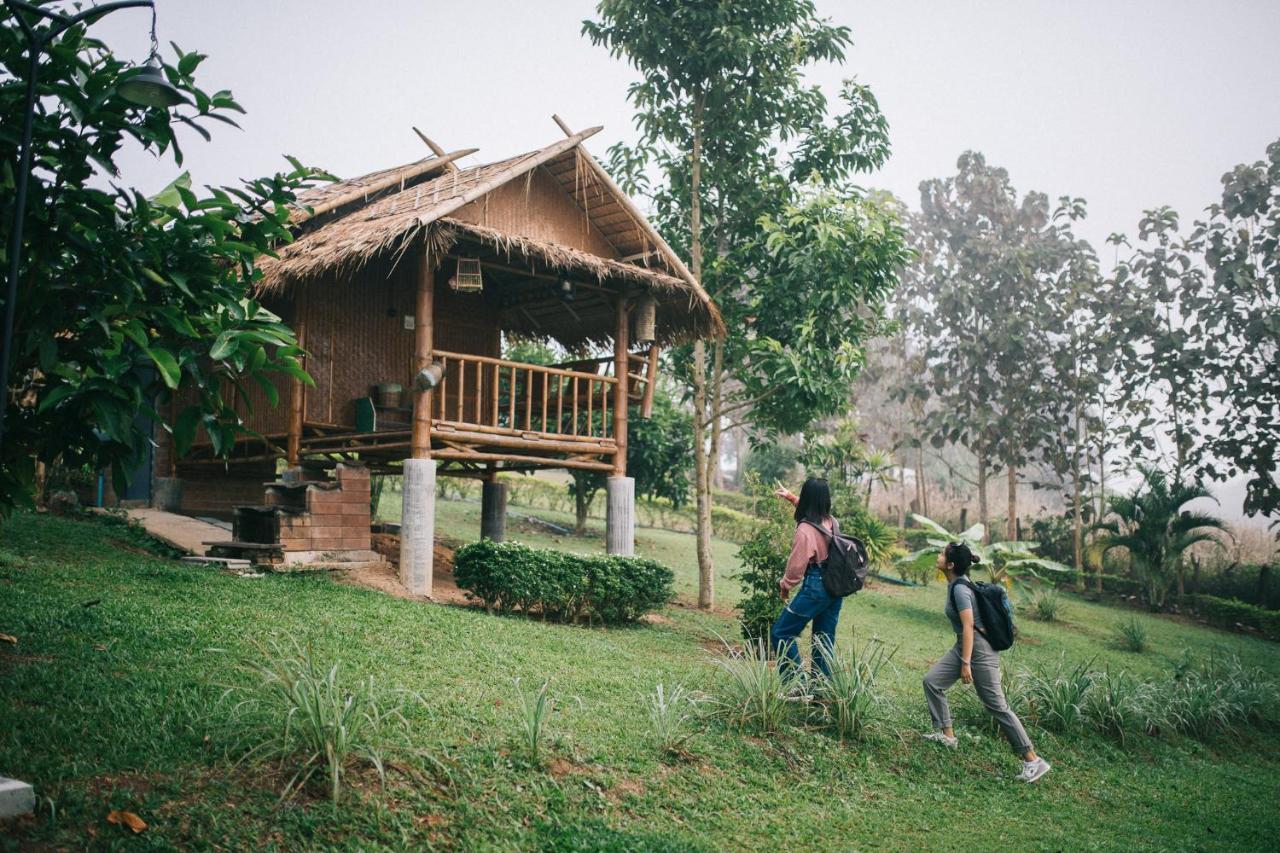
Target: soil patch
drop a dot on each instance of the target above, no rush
(385, 577)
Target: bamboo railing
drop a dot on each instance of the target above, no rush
(491, 395)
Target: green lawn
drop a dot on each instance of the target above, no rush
(115, 706)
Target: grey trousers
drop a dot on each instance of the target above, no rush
(985, 664)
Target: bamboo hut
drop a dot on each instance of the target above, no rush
(402, 284)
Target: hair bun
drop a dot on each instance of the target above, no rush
(975, 558)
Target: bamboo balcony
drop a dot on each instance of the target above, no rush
(486, 411)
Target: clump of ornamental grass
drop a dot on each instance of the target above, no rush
(1057, 697)
(535, 708)
(301, 713)
(1046, 604)
(751, 692)
(1117, 704)
(1131, 634)
(848, 696)
(672, 713)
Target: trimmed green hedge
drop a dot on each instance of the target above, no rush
(563, 587)
(1229, 613)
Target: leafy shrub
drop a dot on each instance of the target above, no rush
(299, 712)
(848, 695)
(1057, 697)
(751, 692)
(1045, 604)
(508, 577)
(671, 714)
(1056, 536)
(1226, 613)
(1254, 584)
(764, 558)
(1131, 635)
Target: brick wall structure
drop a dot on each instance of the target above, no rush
(325, 516)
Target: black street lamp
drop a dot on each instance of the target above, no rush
(147, 88)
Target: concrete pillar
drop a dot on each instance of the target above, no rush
(493, 511)
(418, 525)
(620, 516)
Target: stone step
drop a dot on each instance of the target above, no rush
(16, 798)
(223, 562)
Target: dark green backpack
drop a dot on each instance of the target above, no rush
(994, 610)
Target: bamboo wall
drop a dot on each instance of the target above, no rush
(537, 207)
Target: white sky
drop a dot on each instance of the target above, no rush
(1129, 103)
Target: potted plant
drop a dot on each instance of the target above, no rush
(389, 394)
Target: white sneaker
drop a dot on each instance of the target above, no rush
(1033, 770)
(944, 739)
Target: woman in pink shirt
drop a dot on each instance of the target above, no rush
(803, 574)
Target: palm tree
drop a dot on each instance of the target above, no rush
(877, 467)
(1152, 526)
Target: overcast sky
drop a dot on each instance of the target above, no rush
(1128, 103)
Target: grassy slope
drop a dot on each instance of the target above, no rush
(108, 707)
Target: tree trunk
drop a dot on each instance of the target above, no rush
(581, 508)
(701, 463)
(1102, 485)
(983, 517)
(1011, 531)
(717, 406)
(902, 508)
(1077, 507)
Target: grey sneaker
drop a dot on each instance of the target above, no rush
(944, 739)
(1033, 770)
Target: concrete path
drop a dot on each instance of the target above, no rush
(180, 531)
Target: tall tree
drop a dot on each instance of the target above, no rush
(1240, 317)
(721, 86)
(978, 289)
(1160, 290)
(126, 301)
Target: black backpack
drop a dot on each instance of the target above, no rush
(845, 571)
(994, 610)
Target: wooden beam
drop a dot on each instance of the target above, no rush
(622, 370)
(423, 343)
(547, 462)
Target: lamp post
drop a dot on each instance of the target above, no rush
(147, 88)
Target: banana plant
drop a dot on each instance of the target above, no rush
(1006, 562)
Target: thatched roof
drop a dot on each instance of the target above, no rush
(343, 226)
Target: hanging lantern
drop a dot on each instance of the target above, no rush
(468, 278)
(646, 320)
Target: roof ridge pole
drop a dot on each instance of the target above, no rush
(436, 150)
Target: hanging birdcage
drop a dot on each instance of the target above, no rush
(646, 319)
(468, 278)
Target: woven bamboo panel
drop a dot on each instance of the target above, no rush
(537, 207)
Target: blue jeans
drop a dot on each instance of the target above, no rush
(809, 603)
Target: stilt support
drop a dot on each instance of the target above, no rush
(418, 525)
(493, 511)
(620, 516)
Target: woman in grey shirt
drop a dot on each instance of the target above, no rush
(973, 661)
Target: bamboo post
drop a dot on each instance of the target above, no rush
(621, 370)
(423, 343)
(297, 395)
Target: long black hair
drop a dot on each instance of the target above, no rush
(815, 501)
(961, 558)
